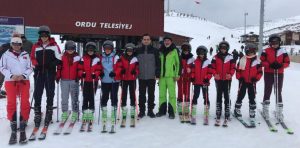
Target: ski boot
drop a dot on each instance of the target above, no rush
(23, 138)
(265, 111)
(132, 116)
(124, 116)
(193, 114)
(13, 136)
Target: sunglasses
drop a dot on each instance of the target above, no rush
(43, 36)
(16, 44)
(275, 42)
(223, 47)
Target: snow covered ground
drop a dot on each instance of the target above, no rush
(163, 132)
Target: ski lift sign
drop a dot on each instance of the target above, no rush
(9, 25)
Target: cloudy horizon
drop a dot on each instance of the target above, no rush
(230, 13)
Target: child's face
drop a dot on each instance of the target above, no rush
(201, 56)
(90, 52)
(70, 51)
(251, 54)
(108, 50)
(129, 53)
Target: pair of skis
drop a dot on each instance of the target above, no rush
(251, 124)
(42, 135)
(272, 128)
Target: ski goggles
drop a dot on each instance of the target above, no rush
(16, 44)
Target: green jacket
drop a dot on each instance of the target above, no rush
(170, 62)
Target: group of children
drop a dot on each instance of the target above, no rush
(114, 70)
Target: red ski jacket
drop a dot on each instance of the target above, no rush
(129, 65)
(270, 55)
(253, 69)
(90, 65)
(201, 70)
(68, 69)
(223, 65)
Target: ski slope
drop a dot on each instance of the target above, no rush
(163, 132)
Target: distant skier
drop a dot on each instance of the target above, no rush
(235, 55)
(211, 51)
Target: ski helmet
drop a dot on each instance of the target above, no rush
(167, 37)
(108, 43)
(129, 47)
(91, 46)
(186, 46)
(44, 29)
(70, 45)
(224, 43)
(250, 47)
(201, 50)
(274, 38)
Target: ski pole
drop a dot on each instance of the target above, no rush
(135, 100)
(100, 104)
(57, 96)
(206, 98)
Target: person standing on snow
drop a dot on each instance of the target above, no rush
(170, 70)
(45, 56)
(16, 66)
(110, 82)
(223, 66)
(274, 60)
(89, 71)
(129, 72)
(201, 75)
(149, 72)
(184, 83)
(249, 72)
(67, 72)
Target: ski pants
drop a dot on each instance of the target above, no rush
(197, 94)
(69, 87)
(243, 87)
(132, 85)
(183, 85)
(167, 84)
(20, 89)
(146, 86)
(89, 91)
(109, 89)
(223, 88)
(269, 83)
(44, 80)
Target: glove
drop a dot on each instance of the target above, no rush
(83, 75)
(206, 81)
(93, 76)
(275, 65)
(133, 72)
(112, 74)
(57, 80)
(123, 71)
(76, 80)
(192, 79)
(253, 80)
(241, 80)
(102, 75)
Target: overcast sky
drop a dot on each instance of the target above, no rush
(231, 12)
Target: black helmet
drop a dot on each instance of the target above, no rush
(224, 43)
(188, 45)
(250, 47)
(201, 50)
(70, 45)
(91, 45)
(274, 37)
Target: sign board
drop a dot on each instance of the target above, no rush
(31, 34)
(9, 25)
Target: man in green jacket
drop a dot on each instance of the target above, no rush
(170, 68)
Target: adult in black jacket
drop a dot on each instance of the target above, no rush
(45, 56)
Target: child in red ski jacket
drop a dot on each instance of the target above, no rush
(201, 75)
(249, 71)
(129, 72)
